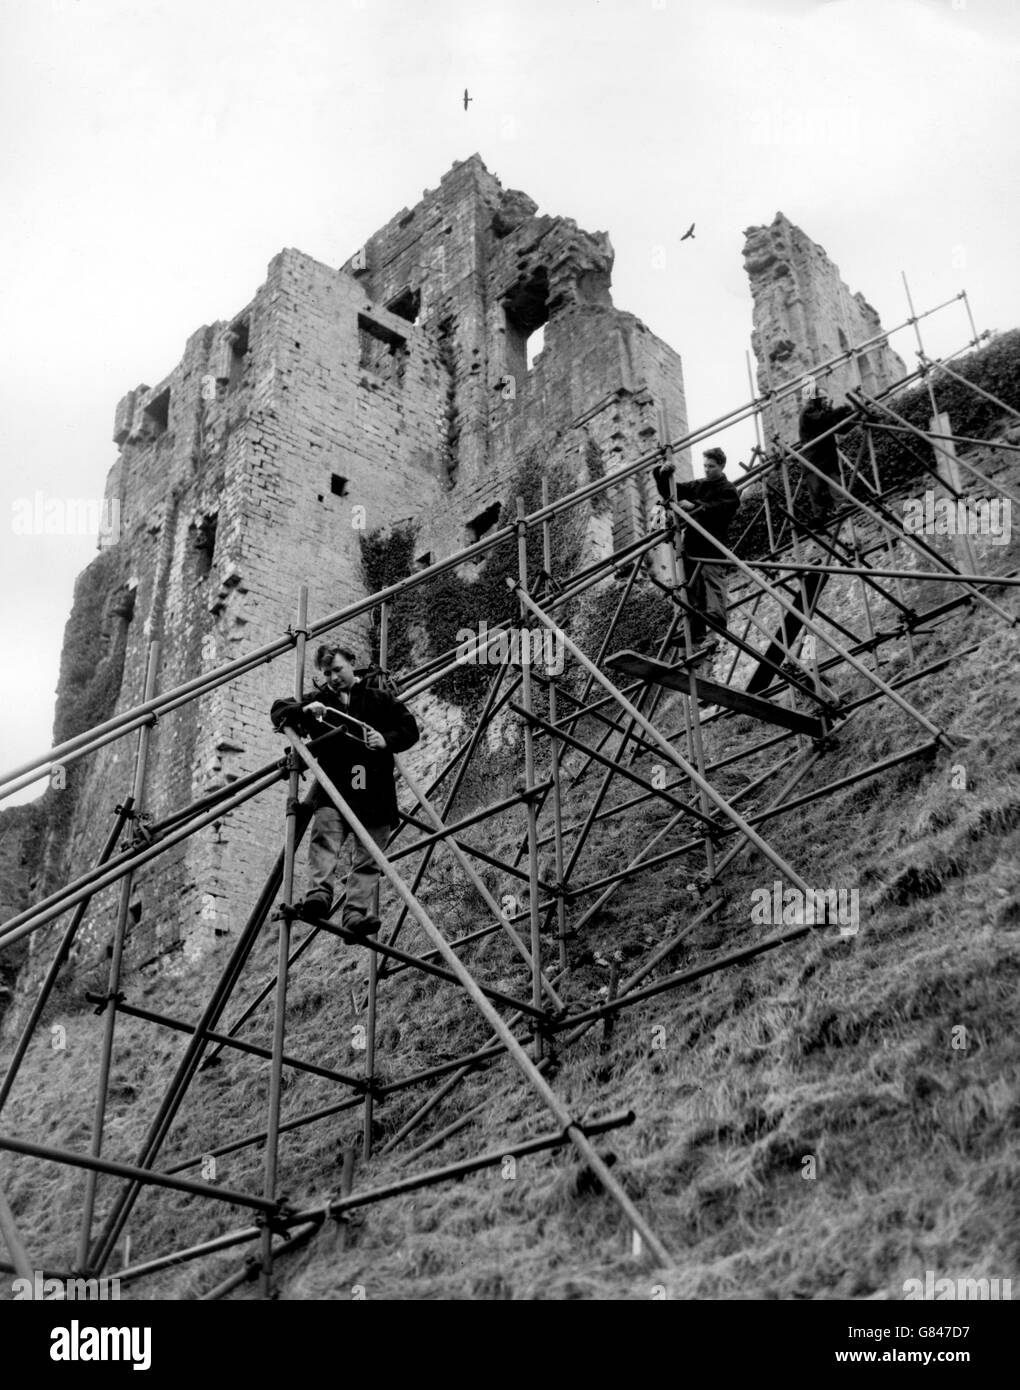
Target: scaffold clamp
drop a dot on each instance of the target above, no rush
(103, 1000)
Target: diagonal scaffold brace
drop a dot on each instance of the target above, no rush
(518, 1055)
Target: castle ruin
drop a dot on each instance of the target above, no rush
(804, 315)
(397, 386)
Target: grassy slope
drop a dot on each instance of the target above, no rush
(842, 1049)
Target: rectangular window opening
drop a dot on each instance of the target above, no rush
(383, 351)
(239, 338)
(377, 333)
(205, 541)
(337, 485)
(526, 307)
(483, 523)
(157, 415)
(535, 344)
(406, 305)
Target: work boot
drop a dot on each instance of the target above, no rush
(364, 924)
(316, 905)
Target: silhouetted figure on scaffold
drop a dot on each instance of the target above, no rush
(818, 417)
(356, 728)
(712, 502)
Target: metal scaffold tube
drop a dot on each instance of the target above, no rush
(113, 980)
(653, 733)
(63, 950)
(878, 513)
(623, 722)
(141, 1176)
(830, 641)
(12, 1239)
(373, 959)
(554, 750)
(479, 886)
(283, 953)
(517, 1054)
(188, 1065)
(102, 877)
(130, 719)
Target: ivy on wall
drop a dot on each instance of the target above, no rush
(995, 368)
(87, 693)
(641, 626)
(425, 622)
(386, 558)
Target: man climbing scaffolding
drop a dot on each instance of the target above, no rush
(818, 417)
(356, 728)
(713, 502)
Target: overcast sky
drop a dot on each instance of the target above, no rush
(158, 153)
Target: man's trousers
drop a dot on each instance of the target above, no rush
(822, 498)
(329, 831)
(706, 593)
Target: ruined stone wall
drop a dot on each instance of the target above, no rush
(804, 315)
(483, 273)
(339, 400)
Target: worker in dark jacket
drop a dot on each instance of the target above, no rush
(713, 502)
(354, 731)
(818, 417)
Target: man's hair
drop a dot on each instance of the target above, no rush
(327, 651)
(716, 455)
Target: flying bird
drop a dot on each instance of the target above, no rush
(467, 98)
(689, 233)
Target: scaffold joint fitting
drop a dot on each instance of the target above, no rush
(277, 1219)
(101, 1001)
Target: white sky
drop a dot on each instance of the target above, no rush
(158, 153)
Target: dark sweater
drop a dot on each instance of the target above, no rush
(717, 502)
(815, 420)
(363, 776)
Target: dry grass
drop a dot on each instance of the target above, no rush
(847, 1052)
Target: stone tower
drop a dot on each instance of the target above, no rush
(397, 385)
(804, 315)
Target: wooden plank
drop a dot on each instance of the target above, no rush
(711, 692)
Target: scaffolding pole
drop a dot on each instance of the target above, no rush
(13, 1241)
(523, 1062)
(113, 979)
(123, 814)
(546, 1020)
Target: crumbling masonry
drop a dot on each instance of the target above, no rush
(337, 402)
(396, 386)
(372, 371)
(805, 315)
